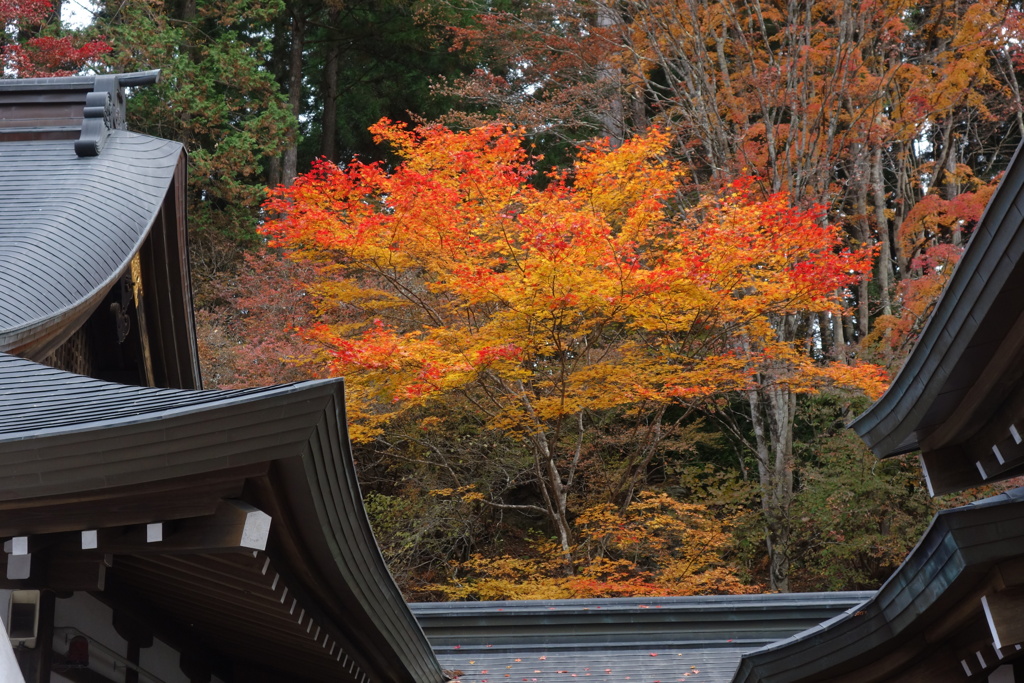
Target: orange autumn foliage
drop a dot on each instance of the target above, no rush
(595, 291)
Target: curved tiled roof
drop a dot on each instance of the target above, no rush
(928, 614)
(693, 638)
(65, 438)
(70, 226)
(978, 307)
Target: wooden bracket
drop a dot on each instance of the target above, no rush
(235, 525)
(1004, 611)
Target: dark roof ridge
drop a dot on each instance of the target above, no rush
(954, 555)
(122, 80)
(694, 602)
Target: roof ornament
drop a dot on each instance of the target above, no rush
(105, 109)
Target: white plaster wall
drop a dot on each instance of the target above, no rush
(95, 619)
(90, 616)
(1003, 674)
(162, 661)
(87, 614)
(9, 671)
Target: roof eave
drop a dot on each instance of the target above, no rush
(889, 426)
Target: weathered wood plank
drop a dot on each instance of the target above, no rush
(1004, 611)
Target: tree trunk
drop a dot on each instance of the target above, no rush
(613, 115)
(553, 488)
(882, 225)
(772, 410)
(772, 413)
(329, 93)
(862, 177)
(290, 162)
(554, 493)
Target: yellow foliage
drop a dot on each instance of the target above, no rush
(656, 546)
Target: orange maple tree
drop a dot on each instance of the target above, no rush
(545, 301)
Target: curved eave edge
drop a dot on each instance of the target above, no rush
(231, 398)
(332, 480)
(614, 609)
(888, 425)
(950, 555)
(17, 336)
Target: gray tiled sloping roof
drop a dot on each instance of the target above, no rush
(63, 435)
(69, 225)
(697, 638)
(893, 633)
(40, 401)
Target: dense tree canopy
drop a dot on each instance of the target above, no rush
(547, 339)
(542, 306)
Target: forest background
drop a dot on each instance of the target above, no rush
(606, 279)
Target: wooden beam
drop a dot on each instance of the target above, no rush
(949, 469)
(26, 545)
(1004, 611)
(235, 525)
(59, 571)
(79, 572)
(17, 546)
(164, 500)
(19, 567)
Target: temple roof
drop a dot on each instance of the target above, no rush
(81, 454)
(695, 638)
(80, 200)
(960, 390)
(928, 622)
(71, 225)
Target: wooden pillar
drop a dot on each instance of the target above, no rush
(137, 635)
(196, 670)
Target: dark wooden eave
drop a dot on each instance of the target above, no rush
(72, 223)
(928, 623)
(81, 454)
(959, 397)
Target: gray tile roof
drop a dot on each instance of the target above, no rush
(650, 639)
(69, 225)
(896, 632)
(66, 438)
